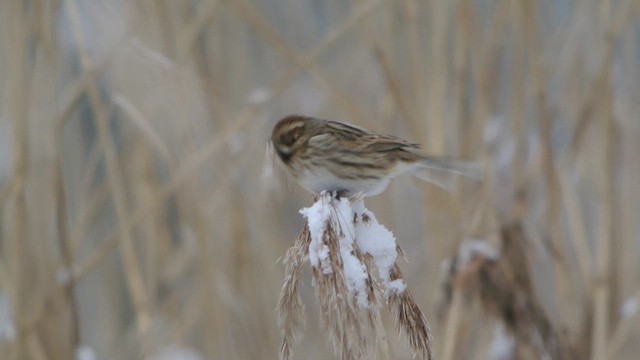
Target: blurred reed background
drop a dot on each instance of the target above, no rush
(141, 218)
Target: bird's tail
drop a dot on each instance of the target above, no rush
(444, 172)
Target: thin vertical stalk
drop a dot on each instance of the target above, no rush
(132, 271)
(602, 288)
(460, 88)
(66, 250)
(16, 248)
(412, 11)
(518, 89)
(386, 65)
(436, 100)
(453, 320)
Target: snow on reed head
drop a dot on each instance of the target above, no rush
(353, 264)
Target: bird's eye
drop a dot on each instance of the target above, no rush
(290, 137)
(287, 139)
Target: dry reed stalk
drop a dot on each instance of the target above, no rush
(461, 68)
(393, 82)
(255, 19)
(66, 252)
(437, 90)
(576, 224)
(605, 285)
(17, 20)
(411, 12)
(454, 312)
(134, 277)
(352, 278)
(189, 32)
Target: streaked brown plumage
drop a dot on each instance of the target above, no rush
(331, 155)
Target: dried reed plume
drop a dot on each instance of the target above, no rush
(344, 243)
(504, 287)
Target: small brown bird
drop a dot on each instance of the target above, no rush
(331, 155)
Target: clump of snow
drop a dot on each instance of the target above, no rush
(502, 345)
(259, 96)
(629, 308)
(377, 241)
(7, 327)
(396, 287)
(329, 214)
(318, 216)
(355, 272)
(64, 275)
(471, 247)
(174, 352)
(357, 230)
(84, 352)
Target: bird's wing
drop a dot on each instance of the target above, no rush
(337, 135)
(386, 143)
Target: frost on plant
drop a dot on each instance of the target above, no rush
(353, 264)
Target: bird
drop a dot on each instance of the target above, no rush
(326, 155)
